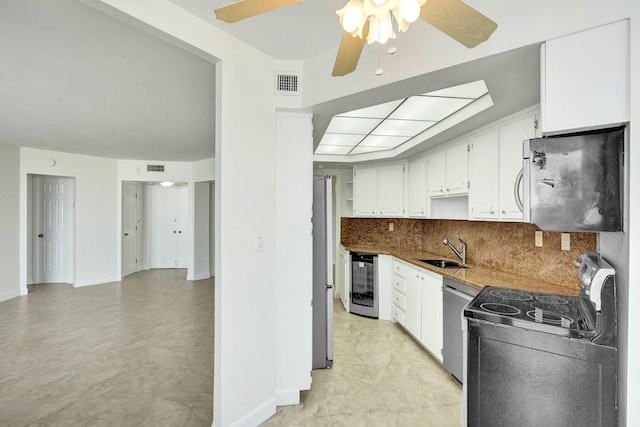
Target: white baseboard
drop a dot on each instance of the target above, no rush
(83, 283)
(11, 294)
(258, 415)
(201, 276)
(287, 397)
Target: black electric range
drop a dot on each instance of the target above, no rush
(556, 314)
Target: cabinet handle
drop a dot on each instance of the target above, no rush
(504, 212)
(493, 212)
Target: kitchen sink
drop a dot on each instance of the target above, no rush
(443, 263)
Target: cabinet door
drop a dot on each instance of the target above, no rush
(436, 174)
(431, 308)
(412, 320)
(365, 181)
(585, 79)
(511, 137)
(483, 176)
(457, 170)
(390, 187)
(417, 178)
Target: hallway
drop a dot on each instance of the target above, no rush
(132, 353)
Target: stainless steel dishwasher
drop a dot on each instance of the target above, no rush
(455, 297)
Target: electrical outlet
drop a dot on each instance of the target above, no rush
(565, 241)
(390, 226)
(538, 239)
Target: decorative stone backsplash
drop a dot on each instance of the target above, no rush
(504, 246)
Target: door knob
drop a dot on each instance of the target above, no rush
(126, 234)
(40, 235)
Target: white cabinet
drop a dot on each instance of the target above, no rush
(483, 176)
(379, 190)
(431, 328)
(365, 191)
(343, 283)
(413, 319)
(510, 163)
(416, 304)
(447, 171)
(495, 161)
(417, 181)
(398, 292)
(585, 79)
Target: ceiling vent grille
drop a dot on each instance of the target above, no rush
(287, 84)
(155, 168)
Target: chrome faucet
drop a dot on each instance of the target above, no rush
(462, 257)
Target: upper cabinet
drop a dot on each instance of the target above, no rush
(585, 79)
(447, 171)
(495, 163)
(417, 181)
(378, 191)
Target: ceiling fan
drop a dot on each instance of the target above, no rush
(453, 17)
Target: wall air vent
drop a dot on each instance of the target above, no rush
(155, 168)
(287, 84)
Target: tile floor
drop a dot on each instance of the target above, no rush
(132, 353)
(381, 377)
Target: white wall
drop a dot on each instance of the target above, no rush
(9, 219)
(201, 234)
(212, 229)
(97, 255)
(294, 182)
(245, 334)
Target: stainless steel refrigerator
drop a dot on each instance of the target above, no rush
(322, 272)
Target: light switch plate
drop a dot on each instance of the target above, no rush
(390, 226)
(565, 242)
(538, 239)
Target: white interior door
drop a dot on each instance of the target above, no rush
(129, 227)
(168, 237)
(53, 229)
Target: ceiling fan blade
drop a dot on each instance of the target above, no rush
(349, 52)
(244, 9)
(459, 21)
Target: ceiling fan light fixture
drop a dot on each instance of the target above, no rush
(352, 17)
(380, 30)
(408, 10)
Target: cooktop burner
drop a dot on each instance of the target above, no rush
(555, 314)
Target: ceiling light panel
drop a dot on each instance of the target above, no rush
(341, 139)
(379, 111)
(471, 90)
(428, 108)
(407, 128)
(382, 141)
(352, 125)
(361, 150)
(333, 149)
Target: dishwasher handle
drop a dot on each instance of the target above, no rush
(458, 293)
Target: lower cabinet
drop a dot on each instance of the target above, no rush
(417, 304)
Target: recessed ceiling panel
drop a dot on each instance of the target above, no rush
(333, 149)
(341, 139)
(428, 108)
(352, 125)
(382, 141)
(407, 128)
(379, 111)
(360, 150)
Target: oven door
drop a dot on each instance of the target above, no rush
(517, 377)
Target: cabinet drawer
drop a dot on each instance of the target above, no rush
(399, 284)
(399, 269)
(399, 300)
(397, 314)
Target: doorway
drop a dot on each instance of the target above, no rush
(52, 235)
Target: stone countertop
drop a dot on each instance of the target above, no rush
(475, 276)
